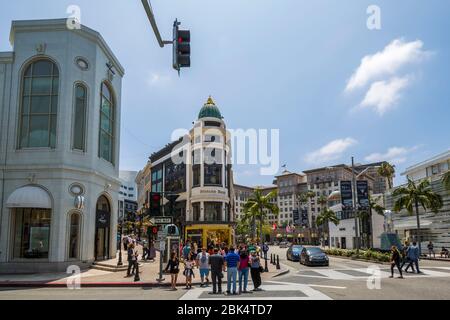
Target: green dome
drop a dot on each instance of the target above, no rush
(210, 110)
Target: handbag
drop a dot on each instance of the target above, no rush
(261, 269)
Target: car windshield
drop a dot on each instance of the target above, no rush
(296, 248)
(314, 250)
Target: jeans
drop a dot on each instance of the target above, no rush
(416, 262)
(231, 279)
(243, 275)
(216, 280)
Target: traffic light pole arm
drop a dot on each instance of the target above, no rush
(151, 18)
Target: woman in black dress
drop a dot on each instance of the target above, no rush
(395, 261)
(173, 267)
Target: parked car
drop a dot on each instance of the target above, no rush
(283, 244)
(314, 256)
(293, 253)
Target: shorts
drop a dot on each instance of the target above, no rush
(204, 272)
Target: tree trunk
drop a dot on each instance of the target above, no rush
(419, 238)
(253, 228)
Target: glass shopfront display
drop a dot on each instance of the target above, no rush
(32, 233)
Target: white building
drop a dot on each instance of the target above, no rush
(60, 93)
(127, 192)
(435, 227)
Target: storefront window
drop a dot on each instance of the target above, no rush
(74, 238)
(175, 177)
(196, 212)
(213, 211)
(32, 233)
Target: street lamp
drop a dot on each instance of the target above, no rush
(119, 262)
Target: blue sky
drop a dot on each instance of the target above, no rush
(292, 65)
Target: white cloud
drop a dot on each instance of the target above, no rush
(383, 95)
(386, 62)
(395, 155)
(155, 78)
(331, 151)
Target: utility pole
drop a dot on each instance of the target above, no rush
(355, 207)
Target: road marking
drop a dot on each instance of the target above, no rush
(310, 293)
(310, 285)
(333, 274)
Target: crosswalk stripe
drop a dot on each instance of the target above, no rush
(310, 293)
(329, 273)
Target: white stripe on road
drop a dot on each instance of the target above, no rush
(310, 293)
(333, 274)
(311, 285)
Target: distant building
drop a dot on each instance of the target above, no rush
(326, 182)
(434, 227)
(60, 93)
(127, 194)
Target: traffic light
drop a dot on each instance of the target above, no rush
(155, 230)
(181, 47)
(155, 204)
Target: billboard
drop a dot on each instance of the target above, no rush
(362, 188)
(346, 195)
(305, 221)
(296, 215)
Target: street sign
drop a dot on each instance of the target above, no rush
(162, 220)
(162, 245)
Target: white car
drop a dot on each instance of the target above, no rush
(283, 244)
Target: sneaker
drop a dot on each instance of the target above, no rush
(400, 277)
(391, 276)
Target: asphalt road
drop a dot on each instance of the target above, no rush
(343, 279)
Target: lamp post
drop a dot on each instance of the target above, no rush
(119, 262)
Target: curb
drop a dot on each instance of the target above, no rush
(362, 260)
(45, 284)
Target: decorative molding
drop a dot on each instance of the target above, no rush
(32, 178)
(41, 48)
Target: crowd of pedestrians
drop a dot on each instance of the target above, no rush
(213, 262)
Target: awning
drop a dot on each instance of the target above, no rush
(29, 197)
(410, 224)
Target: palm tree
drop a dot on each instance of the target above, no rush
(387, 170)
(256, 208)
(414, 195)
(326, 216)
(446, 180)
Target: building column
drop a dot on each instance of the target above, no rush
(202, 211)
(223, 211)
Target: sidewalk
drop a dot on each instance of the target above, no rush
(149, 273)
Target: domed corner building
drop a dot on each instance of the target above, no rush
(197, 168)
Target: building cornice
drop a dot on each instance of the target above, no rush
(7, 57)
(61, 25)
(39, 168)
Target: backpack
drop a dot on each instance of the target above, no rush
(203, 258)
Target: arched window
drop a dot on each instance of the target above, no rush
(37, 123)
(74, 236)
(79, 126)
(106, 134)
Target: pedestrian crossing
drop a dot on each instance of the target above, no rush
(272, 290)
(352, 274)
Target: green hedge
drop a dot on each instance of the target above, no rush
(363, 254)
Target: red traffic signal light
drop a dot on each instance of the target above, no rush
(154, 230)
(155, 203)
